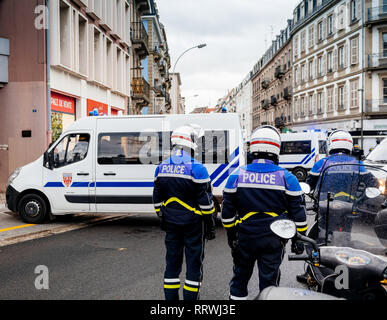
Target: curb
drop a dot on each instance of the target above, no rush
(58, 230)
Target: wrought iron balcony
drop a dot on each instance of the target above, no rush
(273, 100)
(279, 72)
(287, 93)
(265, 84)
(140, 39)
(265, 104)
(140, 89)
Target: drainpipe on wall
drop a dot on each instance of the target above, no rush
(48, 73)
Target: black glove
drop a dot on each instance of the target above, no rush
(232, 239)
(297, 247)
(209, 229)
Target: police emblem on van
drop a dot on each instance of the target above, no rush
(67, 179)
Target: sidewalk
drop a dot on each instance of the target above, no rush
(14, 230)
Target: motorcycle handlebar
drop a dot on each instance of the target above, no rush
(302, 257)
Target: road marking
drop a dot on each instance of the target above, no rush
(17, 227)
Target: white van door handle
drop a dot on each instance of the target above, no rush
(109, 174)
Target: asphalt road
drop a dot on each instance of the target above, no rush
(122, 259)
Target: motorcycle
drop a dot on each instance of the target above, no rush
(348, 241)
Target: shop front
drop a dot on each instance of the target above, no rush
(62, 113)
(95, 108)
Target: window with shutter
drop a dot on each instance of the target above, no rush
(354, 51)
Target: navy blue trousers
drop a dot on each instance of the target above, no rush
(183, 241)
(267, 252)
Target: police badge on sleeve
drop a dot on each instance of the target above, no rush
(67, 179)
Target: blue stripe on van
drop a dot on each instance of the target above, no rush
(54, 185)
(119, 184)
(310, 158)
(226, 174)
(218, 170)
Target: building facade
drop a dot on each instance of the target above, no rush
(328, 65)
(177, 101)
(139, 51)
(86, 59)
(243, 102)
(272, 84)
(158, 63)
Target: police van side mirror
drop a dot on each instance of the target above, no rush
(48, 160)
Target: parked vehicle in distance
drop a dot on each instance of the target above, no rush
(300, 151)
(378, 156)
(107, 164)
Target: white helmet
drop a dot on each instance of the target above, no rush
(341, 140)
(187, 136)
(266, 139)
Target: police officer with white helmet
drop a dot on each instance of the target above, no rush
(255, 196)
(182, 199)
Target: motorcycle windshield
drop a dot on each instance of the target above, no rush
(352, 207)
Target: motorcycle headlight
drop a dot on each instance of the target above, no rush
(382, 186)
(13, 176)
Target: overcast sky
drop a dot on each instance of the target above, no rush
(235, 33)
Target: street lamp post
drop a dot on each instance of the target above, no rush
(200, 46)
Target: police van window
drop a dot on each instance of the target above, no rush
(296, 147)
(154, 147)
(71, 149)
(214, 147)
(129, 148)
(323, 148)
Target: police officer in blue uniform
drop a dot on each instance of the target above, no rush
(183, 200)
(256, 195)
(340, 147)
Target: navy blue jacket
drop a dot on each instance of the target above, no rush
(342, 175)
(182, 190)
(258, 194)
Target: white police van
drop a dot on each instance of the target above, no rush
(300, 151)
(107, 164)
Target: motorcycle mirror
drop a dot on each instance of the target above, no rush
(305, 187)
(284, 228)
(372, 193)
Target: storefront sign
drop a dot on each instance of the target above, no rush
(102, 108)
(62, 104)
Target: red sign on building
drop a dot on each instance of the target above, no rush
(62, 104)
(101, 107)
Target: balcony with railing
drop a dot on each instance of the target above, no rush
(377, 14)
(273, 100)
(377, 60)
(265, 104)
(287, 93)
(279, 72)
(140, 39)
(140, 90)
(265, 84)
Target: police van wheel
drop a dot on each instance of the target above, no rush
(32, 208)
(300, 174)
